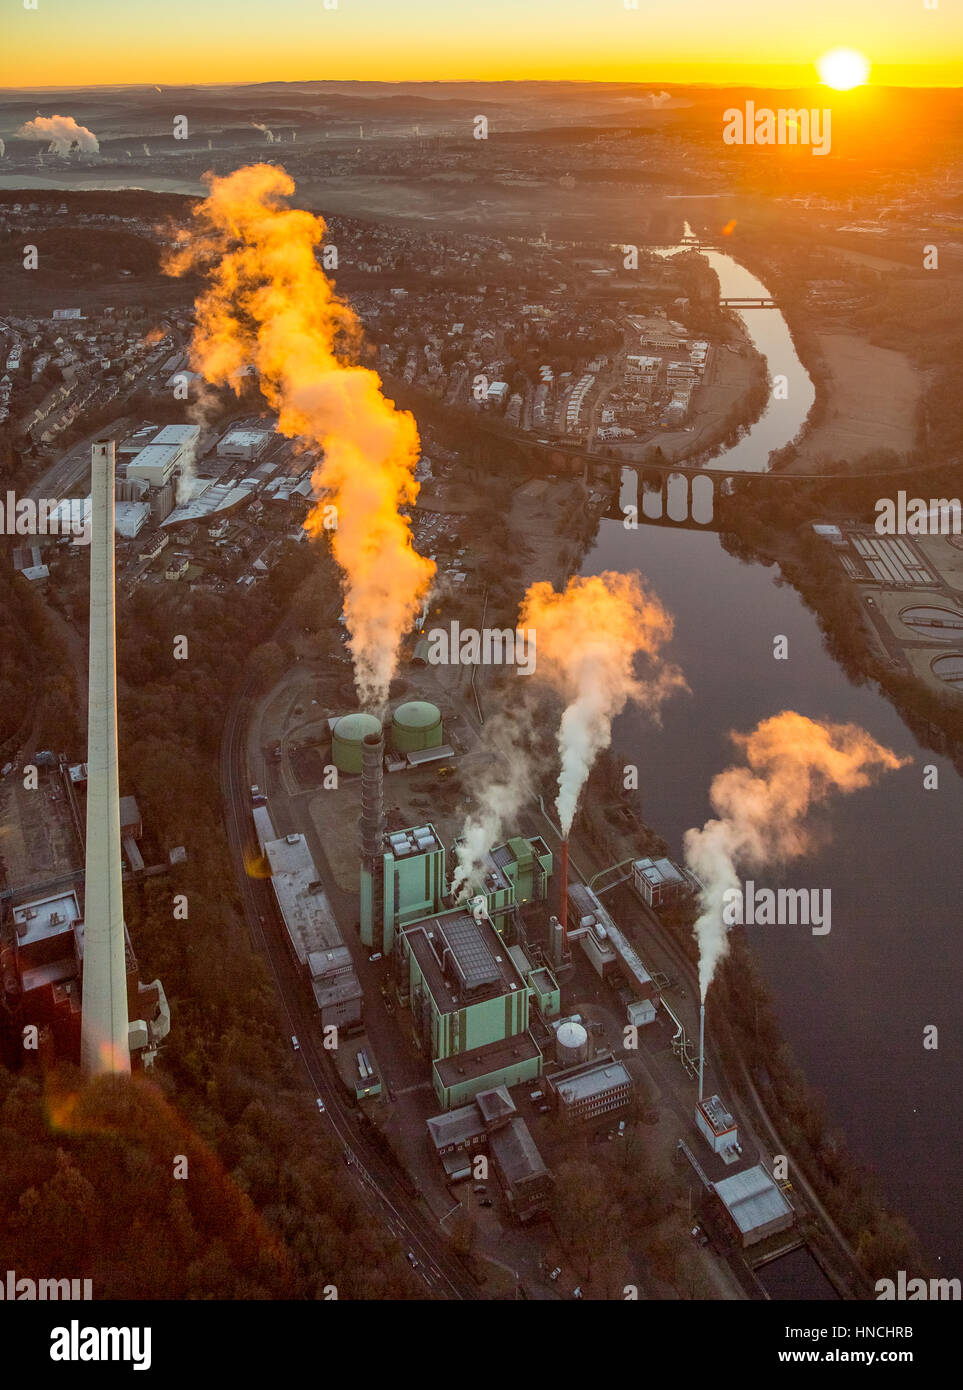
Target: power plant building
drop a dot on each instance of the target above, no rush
(514, 874)
(718, 1128)
(755, 1205)
(469, 1005)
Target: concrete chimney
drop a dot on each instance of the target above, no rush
(104, 1045)
(372, 842)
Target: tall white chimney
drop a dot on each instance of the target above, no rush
(103, 1031)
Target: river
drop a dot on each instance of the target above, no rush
(852, 1004)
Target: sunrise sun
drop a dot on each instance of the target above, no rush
(843, 68)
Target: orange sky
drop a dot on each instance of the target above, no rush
(197, 41)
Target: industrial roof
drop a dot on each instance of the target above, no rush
(659, 871)
(220, 497)
(469, 952)
(177, 434)
(448, 959)
(155, 456)
(352, 728)
(495, 1105)
(752, 1199)
(717, 1115)
(486, 1061)
(245, 437)
(592, 1081)
(35, 921)
(459, 1126)
(304, 906)
(417, 714)
(516, 1153)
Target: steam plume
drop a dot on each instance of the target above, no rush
(587, 640)
(269, 133)
(794, 765)
(497, 800)
(269, 302)
(3, 149)
(61, 134)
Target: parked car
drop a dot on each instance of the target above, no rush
(555, 1272)
(411, 1259)
(376, 956)
(320, 1104)
(295, 1044)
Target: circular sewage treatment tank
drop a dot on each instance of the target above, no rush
(416, 725)
(347, 738)
(571, 1044)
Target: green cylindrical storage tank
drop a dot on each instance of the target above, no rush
(347, 738)
(416, 725)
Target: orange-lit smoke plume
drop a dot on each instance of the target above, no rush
(794, 764)
(268, 302)
(588, 639)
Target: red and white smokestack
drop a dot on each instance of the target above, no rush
(563, 891)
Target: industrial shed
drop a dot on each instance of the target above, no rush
(755, 1205)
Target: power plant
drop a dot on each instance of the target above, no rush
(69, 975)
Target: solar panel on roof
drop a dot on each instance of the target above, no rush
(471, 956)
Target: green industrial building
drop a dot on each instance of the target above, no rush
(414, 884)
(469, 993)
(514, 874)
(469, 1004)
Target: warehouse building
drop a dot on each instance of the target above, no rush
(155, 464)
(755, 1205)
(244, 444)
(312, 932)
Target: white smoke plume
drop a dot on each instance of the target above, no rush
(794, 764)
(268, 133)
(61, 134)
(655, 101)
(3, 149)
(146, 149)
(498, 799)
(588, 639)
